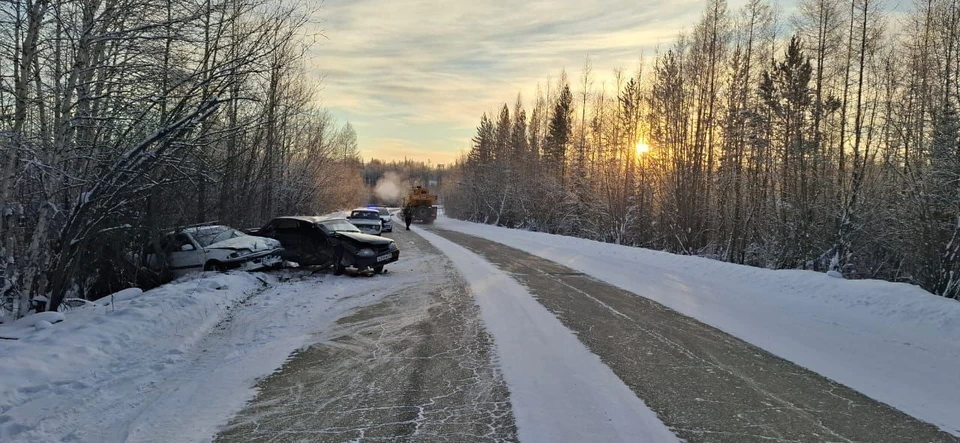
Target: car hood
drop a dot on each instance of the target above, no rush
(363, 221)
(366, 238)
(247, 242)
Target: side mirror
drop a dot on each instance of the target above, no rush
(187, 247)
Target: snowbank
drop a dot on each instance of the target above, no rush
(33, 319)
(891, 341)
(119, 296)
(97, 344)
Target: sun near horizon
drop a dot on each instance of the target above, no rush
(642, 147)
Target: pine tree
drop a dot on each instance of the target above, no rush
(481, 153)
(558, 134)
(518, 134)
(785, 89)
(480, 164)
(501, 149)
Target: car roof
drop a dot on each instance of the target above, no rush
(194, 229)
(311, 218)
(365, 210)
(203, 228)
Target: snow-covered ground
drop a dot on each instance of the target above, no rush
(891, 341)
(171, 364)
(175, 363)
(559, 390)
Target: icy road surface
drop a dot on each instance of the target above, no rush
(560, 391)
(704, 384)
(417, 366)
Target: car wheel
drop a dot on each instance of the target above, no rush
(378, 269)
(215, 266)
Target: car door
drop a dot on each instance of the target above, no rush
(287, 232)
(312, 242)
(185, 254)
(321, 243)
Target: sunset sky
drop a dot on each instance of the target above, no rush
(414, 76)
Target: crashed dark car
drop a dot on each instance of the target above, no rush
(326, 241)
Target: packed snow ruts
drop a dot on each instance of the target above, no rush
(560, 391)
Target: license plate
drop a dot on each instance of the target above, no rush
(384, 258)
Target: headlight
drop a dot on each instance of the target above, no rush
(365, 252)
(239, 253)
(393, 246)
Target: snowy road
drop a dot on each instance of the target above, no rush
(413, 367)
(704, 384)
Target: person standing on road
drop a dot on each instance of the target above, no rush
(407, 216)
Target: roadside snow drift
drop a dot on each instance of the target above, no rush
(891, 341)
(559, 390)
(105, 344)
(170, 364)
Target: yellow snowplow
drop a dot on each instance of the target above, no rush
(421, 204)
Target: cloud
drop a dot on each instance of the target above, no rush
(414, 76)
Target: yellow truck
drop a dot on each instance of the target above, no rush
(421, 204)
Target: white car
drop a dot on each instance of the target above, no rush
(386, 217)
(213, 248)
(367, 220)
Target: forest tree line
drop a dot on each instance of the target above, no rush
(121, 120)
(826, 139)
